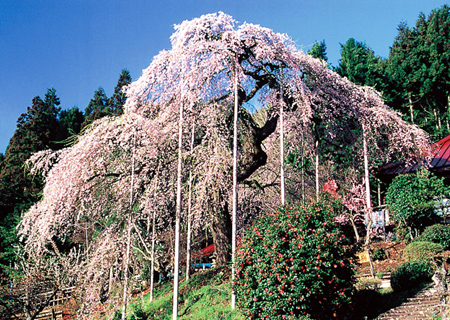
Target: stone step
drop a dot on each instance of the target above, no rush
(422, 302)
(418, 307)
(408, 311)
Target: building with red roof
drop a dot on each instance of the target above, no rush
(439, 164)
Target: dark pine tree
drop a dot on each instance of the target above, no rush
(319, 50)
(97, 108)
(360, 65)
(71, 121)
(36, 130)
(119, 98)
(417, 66)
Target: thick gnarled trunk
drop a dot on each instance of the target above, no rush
(221, 232)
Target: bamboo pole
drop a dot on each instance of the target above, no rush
(282, 142)
(189, 218)
(177, 219)
(152, 268)
(368, 203)
(127, 256)
(233, 236)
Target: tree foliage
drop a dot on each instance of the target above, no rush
(71, 121)
(97, 108)
(360, 65)
(418, 66)
(118, 99)
(422, 250)
(101, 106)
(319, 50)
(37, 129)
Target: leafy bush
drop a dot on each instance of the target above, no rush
(421, 250)
(403, 232)
(293, 263)
(411, 274)
(379, 254)
(437, 233)
(368, 283)
(411, 199)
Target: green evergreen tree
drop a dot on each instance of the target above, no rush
(51, 100)
(97, 108)
(100, 106)
(412, 200)
(118, 99)
(36, 130)
(71, 120)
(360, 65)
(418, 66)
(319, 50)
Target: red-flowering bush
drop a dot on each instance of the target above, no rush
(293, 262)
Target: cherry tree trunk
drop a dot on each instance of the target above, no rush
(221, 231)
(355, 229)
(111, 275)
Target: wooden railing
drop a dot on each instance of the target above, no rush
(59, 298)
(53, 310)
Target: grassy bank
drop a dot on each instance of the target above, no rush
(206, 296)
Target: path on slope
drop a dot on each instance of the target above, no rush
(421, 306)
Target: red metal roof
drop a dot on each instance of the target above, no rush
(441, 153)
(439, 163)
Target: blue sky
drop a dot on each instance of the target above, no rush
(77, 46)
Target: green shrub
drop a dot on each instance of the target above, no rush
(293, 263)
(437, 233)
(368, 283)
(422, 250)
(379, 254)
(411, 275)
(137, 313)
(411, 198)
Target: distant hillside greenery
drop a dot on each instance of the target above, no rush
(43, 126)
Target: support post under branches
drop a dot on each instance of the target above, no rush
(189, 218)
(177, 218)
(129, 227)
(282, 141)
(233, 236)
